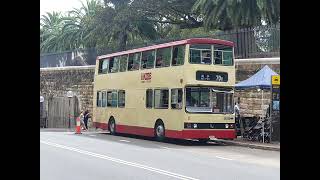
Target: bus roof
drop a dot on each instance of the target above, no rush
(174, 43)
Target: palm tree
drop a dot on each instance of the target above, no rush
(79, 28)
(51, 30)
(229, 14)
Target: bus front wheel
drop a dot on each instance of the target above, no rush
(159, 131)
(112, 126)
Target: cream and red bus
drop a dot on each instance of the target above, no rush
(181, 89)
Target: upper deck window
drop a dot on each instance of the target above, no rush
(123, 63)
(103, 66)
(223, 55)
(163, 57)
(114, 64)
(147, 61)
(134, 61)
(178, 55)
(200, 54)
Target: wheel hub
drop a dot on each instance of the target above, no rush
(159, 131)
(112, 127)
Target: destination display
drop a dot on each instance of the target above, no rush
(211, 76)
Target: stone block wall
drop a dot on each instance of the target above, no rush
(251, 100)
(55, 82)
(245, 69)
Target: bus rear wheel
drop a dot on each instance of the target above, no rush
(159, 131)
(112, 126)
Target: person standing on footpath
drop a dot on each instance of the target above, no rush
(83, 127)
(85, 119)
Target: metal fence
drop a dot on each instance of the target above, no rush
(256, 42)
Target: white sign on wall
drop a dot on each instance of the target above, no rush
(41, 98)
(69, 94)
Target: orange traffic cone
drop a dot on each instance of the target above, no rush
(78, 127)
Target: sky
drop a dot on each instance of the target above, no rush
(58, 5)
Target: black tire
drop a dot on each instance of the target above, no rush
(159, 131)
(112, 126)
(203, 141)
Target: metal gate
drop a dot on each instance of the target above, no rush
(62, 112)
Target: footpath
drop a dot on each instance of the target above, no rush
(274, 146)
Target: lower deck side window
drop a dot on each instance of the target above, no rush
(99, 98)
(112, 99)
(121, 98)
(176, 98)
(161, 98)
(149, 98)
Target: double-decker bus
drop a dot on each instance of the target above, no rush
(181, 89)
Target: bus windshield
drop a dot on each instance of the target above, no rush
(209, 100)
(211, 54)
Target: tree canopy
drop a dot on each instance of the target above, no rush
(117, 23)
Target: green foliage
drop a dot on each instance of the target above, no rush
(117, 24)
(76, 30)
(229, 14)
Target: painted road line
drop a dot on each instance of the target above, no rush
(224, 158)
(167, 147)
(122, 140)
(160, 171)
(92, 135)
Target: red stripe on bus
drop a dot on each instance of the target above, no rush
(184, 134)
(103, 126)
(143, 131)
(220, 134)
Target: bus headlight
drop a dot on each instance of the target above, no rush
(227, 126)
(231, 126)
(195, 126)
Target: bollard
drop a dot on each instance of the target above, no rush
(78, 127)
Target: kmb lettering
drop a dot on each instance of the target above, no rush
(146, 76)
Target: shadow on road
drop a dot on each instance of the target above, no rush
(180, 142)
(116, 138)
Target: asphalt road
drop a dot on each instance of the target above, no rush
(93, 155)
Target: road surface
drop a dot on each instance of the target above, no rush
(100, 156)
